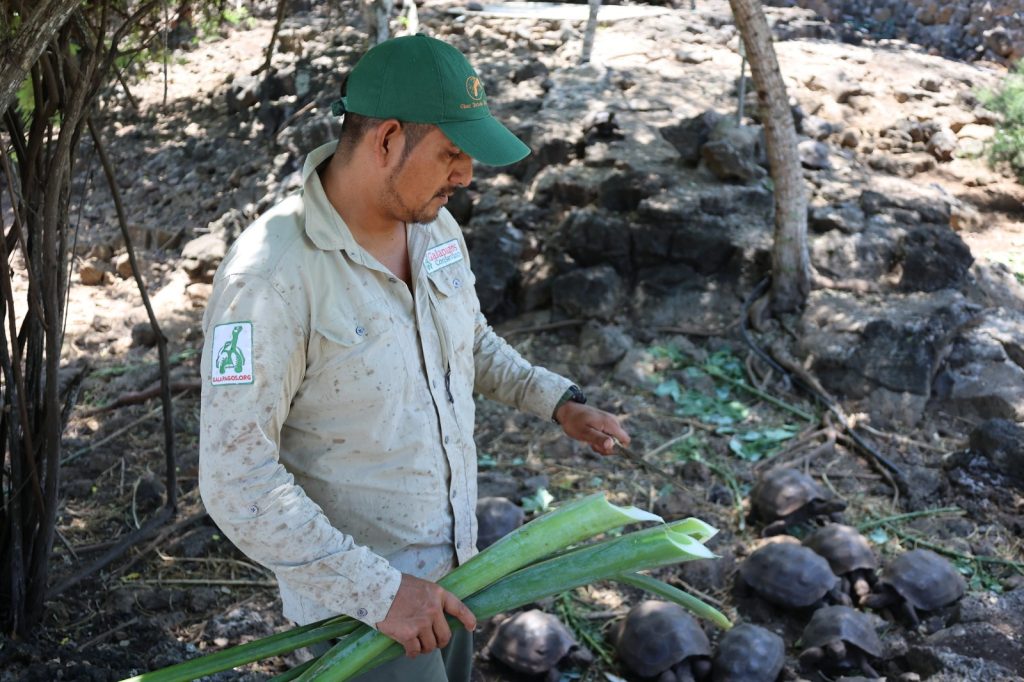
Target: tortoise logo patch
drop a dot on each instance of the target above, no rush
(232, 354)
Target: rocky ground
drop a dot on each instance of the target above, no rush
(620, 253)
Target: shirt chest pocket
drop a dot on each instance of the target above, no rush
(353, 358)
(457, 305)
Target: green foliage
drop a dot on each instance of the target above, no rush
(722, 407)
(1007, 145)
(539, 502)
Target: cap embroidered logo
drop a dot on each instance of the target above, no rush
(474, 88)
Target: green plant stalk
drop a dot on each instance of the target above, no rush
(979, 558)
(641, 550)
(689, 602)
(715, 372)
(281, 643)
(886, 520)
(571, 523)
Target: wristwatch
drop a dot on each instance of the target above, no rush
(572, 394)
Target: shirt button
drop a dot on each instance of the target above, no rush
(455, 493)
(392, 279)
(446, 440)
(361, 613)
(254, 510)
(360, 331)
(456, 282)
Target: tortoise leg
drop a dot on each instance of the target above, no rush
(811, 658)
(861, 660)
(861, 587)
(835, 651)
(701, 667)
(775, 528)
(911, 614)
(674, 674)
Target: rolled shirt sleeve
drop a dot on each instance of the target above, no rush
(246, 489)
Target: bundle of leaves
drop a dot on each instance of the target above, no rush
(539, 560)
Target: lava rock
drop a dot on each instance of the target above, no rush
(934, 258)
(590, 293)
(1002, 443)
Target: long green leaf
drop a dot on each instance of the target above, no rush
(275, 645)
(689, 602)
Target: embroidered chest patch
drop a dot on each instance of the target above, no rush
(232, 354)
(442, 255)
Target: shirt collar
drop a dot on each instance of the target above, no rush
(324, 226)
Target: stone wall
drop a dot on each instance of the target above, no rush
(961, 29)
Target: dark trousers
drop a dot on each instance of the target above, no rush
(454, 663)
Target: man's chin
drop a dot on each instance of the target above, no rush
(427, 215)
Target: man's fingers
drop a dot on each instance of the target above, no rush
(427, 640)
(412, 647)
(453, 606)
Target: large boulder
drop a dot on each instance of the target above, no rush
(736, 153)
(595, 237)
(1001, 442)
(934, 257)
(496, 249)
(690, 135)
(590, 293)
(984, 372)
(201, 257)
(856, 344)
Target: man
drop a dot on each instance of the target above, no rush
(344, 342)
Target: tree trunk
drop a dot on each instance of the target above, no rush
(71, 65)
(588, 33)
(790, 266)
(27, 42)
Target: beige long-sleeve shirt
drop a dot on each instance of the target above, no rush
(336, 448)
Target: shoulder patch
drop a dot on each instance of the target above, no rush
(232, 354)
(442, 255)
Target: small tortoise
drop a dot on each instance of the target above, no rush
(919, 580)
(533, 642)
(749, 653)
(790, 575)
(849, 555)
(837, 638)
(496, 518)
(661, 640)
(786, 497)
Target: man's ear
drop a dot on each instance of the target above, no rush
(388, 140)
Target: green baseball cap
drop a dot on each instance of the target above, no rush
(423, 80)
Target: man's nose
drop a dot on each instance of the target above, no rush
(462, 171)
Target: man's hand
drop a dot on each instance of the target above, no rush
(416, 618)
(592, 426)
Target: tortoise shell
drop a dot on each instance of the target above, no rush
(531, 642)
(496, 517)
(749, 653)
(842, 624)
(782, 492)
(844, 548)
(788, 574)
(924, 579)
(657, 635)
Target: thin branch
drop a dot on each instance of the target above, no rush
(161, 340)
(282, 9)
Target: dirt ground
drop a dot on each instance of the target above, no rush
(189, 591)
